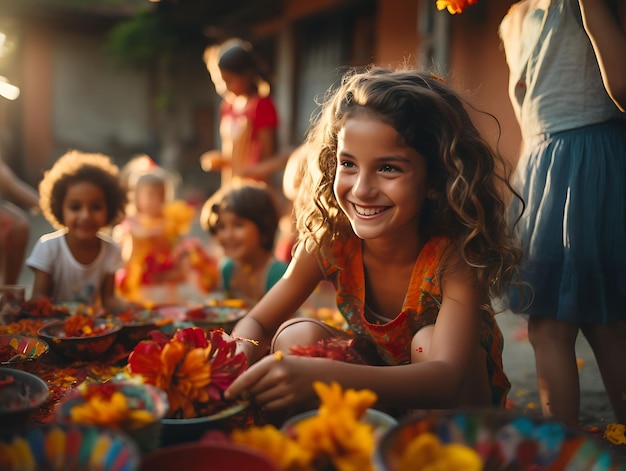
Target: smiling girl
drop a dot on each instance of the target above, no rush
(80, 195)
(402, 211)
(244, 221)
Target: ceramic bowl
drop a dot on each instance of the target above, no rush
(66, 447)
(21, 393)
(502, 439)
(208, 457)
(216, 317)
(177, 431)
(21, 352)
(80, 348)
(380, 421)
(146, 397)
(136, 325)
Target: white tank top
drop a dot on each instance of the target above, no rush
(554, 82)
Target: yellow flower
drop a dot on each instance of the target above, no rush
(110, 411)
(335, 400)
(426, 453)
(279, 447)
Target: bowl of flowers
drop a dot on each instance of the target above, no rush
(194, 368)
(21, 351)
(81, 337)
(73, 447)
(21, 393)
(136, 324)
(133, 408)
(217, 314)
(489, 439)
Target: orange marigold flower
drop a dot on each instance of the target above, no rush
(454, 6)
(193, 369)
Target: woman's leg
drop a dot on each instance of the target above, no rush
(554, 343)
(608, 342)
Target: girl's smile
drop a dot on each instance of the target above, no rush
(239, 237)
(84, 210)
(380, 184)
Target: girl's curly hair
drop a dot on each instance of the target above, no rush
(469, 178)
(75, 167)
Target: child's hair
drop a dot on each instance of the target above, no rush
(250, 200)
(429, 117)
(76, 167)
(240, 58)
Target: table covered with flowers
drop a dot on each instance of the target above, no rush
(166, 392)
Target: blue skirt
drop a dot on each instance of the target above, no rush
(573, 229)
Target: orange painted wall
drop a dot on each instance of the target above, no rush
(478, 66)
(396, 32)
(37, 99)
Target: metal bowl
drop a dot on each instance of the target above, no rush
(81, 348)
(21, 394)
(21, 351)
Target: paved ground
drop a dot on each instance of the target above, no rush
(518, 357)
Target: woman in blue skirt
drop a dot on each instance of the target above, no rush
(567, 84)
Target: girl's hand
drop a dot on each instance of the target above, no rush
(212, 160)
(280, 381)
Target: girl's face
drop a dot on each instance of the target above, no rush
(239, 237)
(380, 185)
(84, 210)
(237, 84)
(149, 199)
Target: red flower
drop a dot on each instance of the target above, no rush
(193, 368)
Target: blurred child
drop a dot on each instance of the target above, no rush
(248, 117)
(154, 248)
(80, 195)
(244, 219)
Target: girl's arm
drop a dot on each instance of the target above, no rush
(435, 382)
(279, 304)
(270, 161)
(606, 29)
(42, 285)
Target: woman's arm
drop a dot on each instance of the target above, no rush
(606, 29)
(17, 190)
(278, 304)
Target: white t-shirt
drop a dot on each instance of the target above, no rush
(73, 281)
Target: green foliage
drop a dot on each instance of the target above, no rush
(139, 41)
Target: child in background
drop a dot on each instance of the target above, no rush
(244, 220)
(158, 258)
(80, 195)
(567, 85)
(248, 117)
(404, 214)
